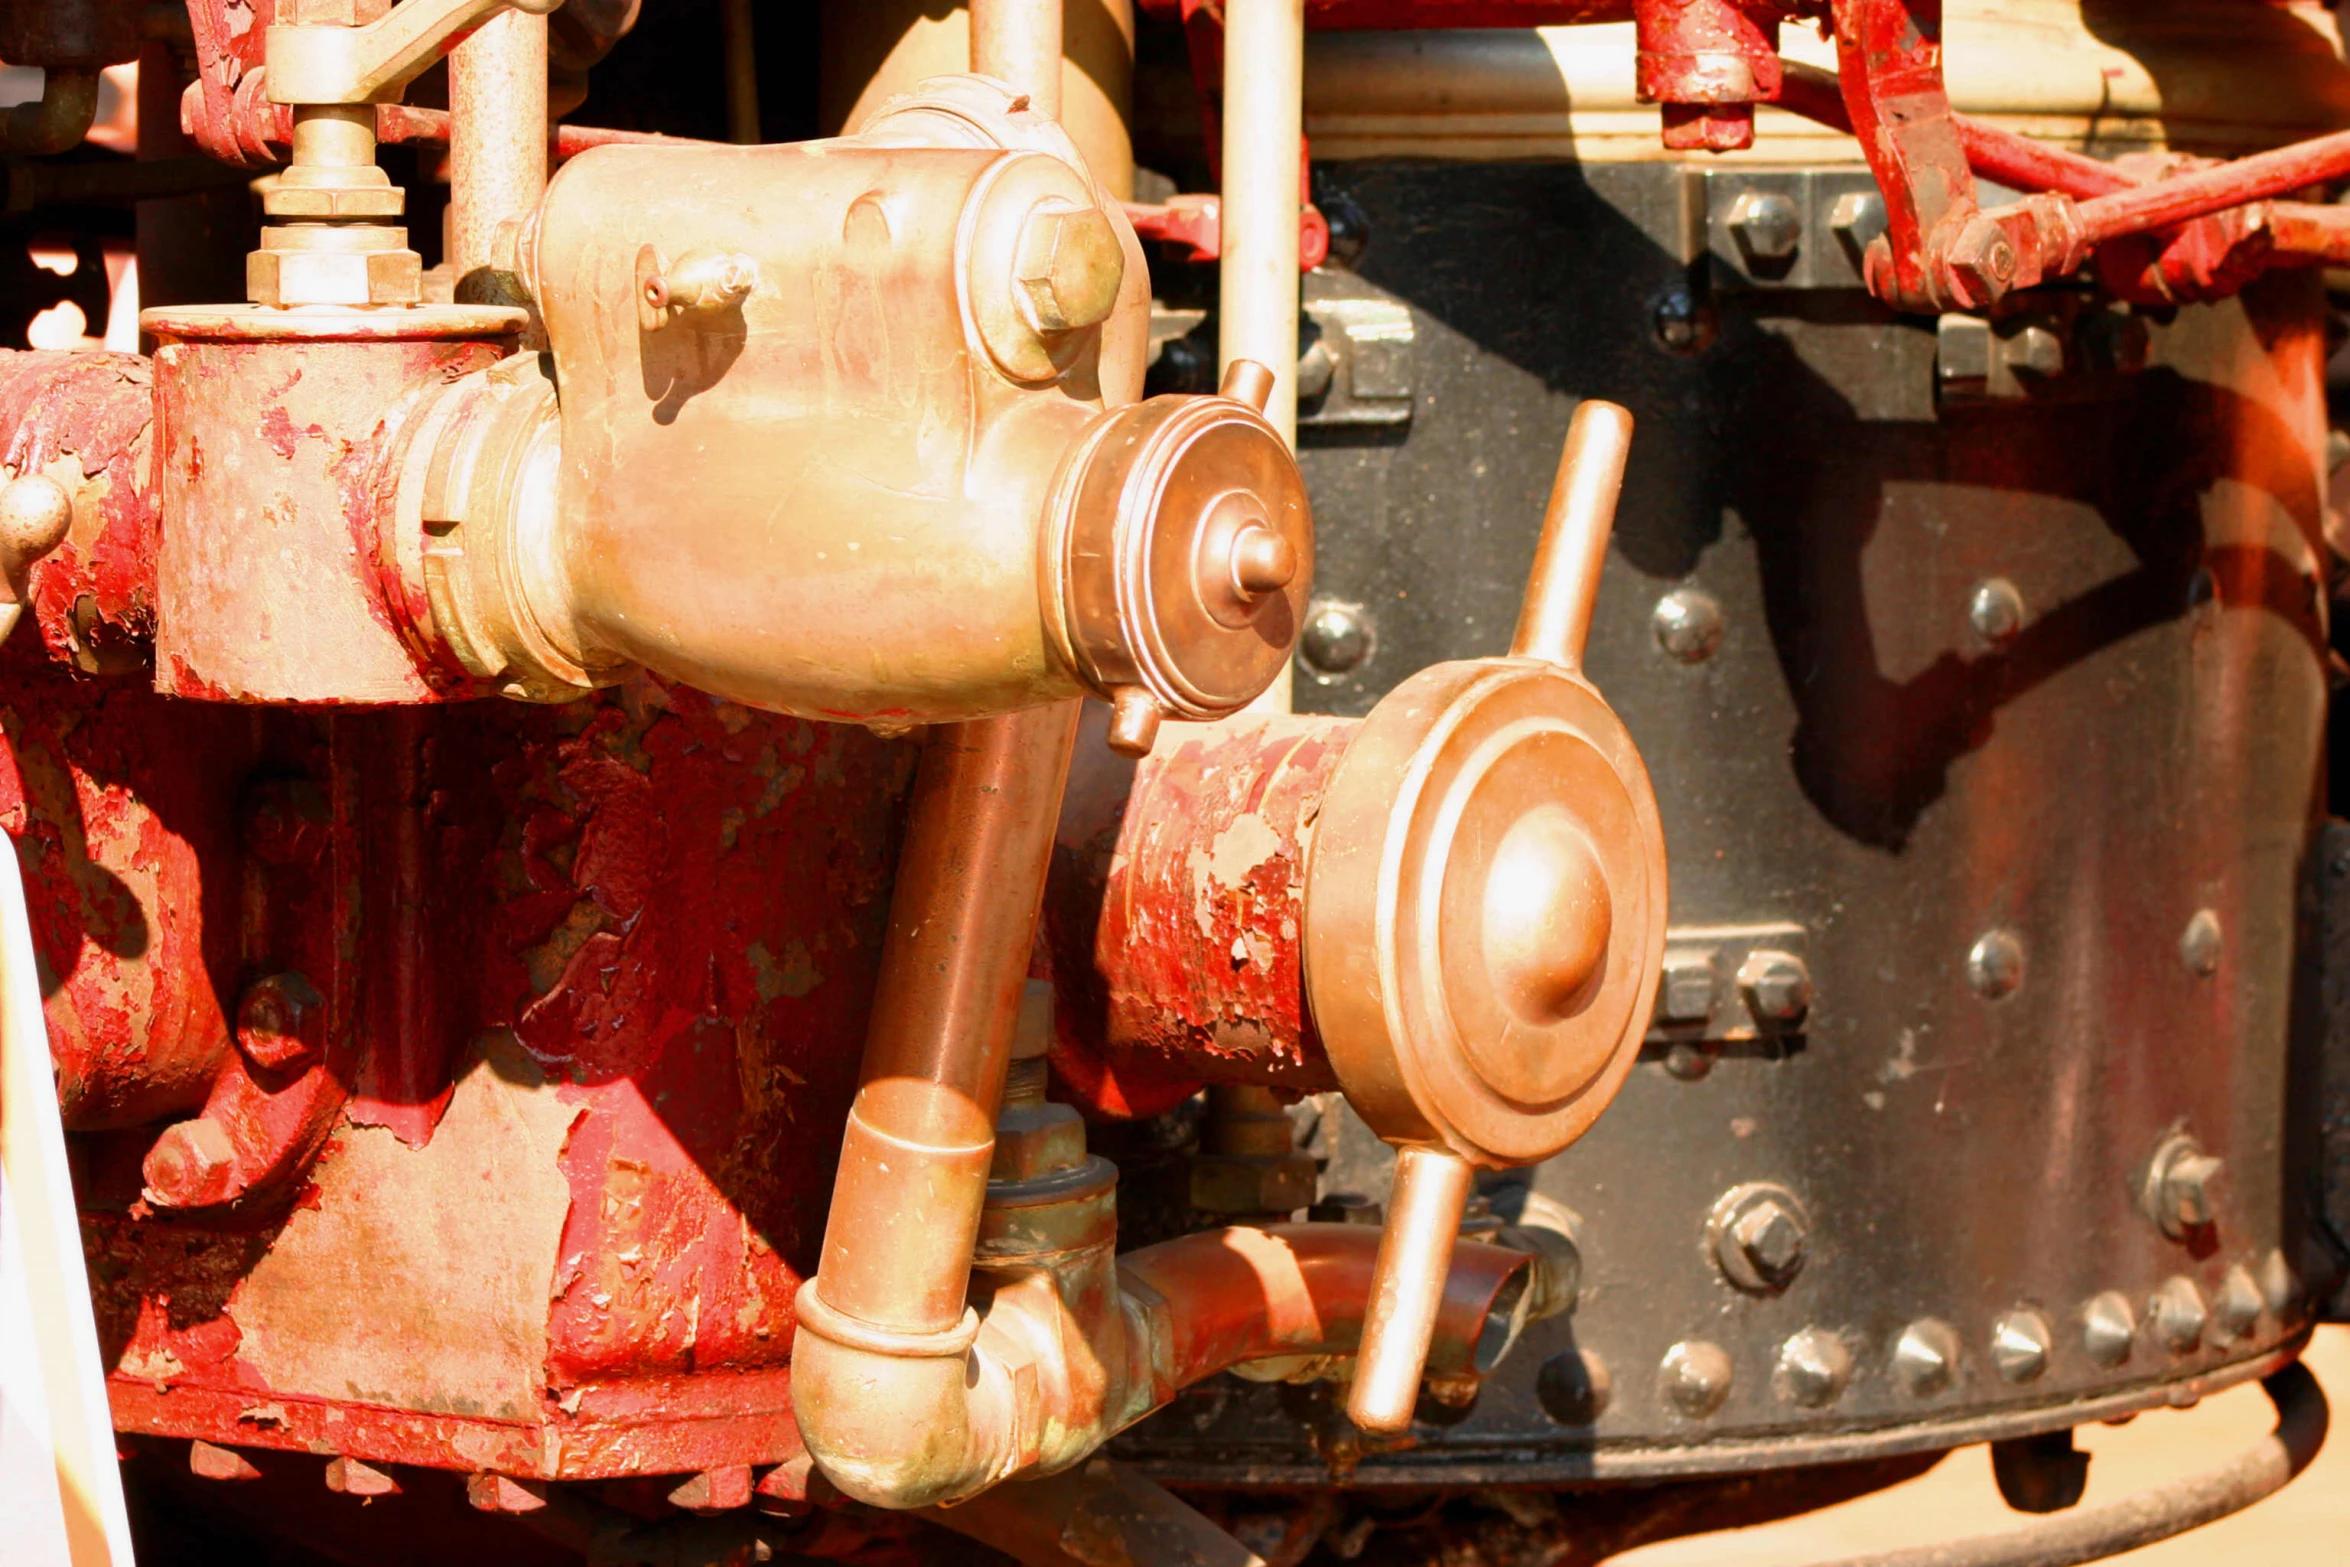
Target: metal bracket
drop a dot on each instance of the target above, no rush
(1734, 984)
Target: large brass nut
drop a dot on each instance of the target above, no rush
(1070, 267)
(1242, 1184)
(331, 13)
(334, 277)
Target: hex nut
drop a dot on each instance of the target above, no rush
(1759, 1237)
(192, 1165)
(1777, 987)
(1767, 225)
(2178, 1192)
(1685, 994)
(334, 201)
(1980, 264)
(2035, 351)
(281, 1022)
(1856, 218)
(334, 277)
(1070, 267)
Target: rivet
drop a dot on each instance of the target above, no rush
(2108, 1326)
(1336, 638)
(1996, 611)
(1574, 1387)
(1695, 1377)
(2020, 1342)
(1925, 1361)
(1684, 324)
(2239, 1306)
(2179, 1313)
(2278, 1286)
(1814, 1368)
(1688, 624)
(1995, 964)
(2199, 943)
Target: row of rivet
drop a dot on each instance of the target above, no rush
(1814, 1367)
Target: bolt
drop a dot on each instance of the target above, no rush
(1688, 624)
(2199, 943)
(1336, 638)
(192, 1165)
(1777, 987)
(494, 1493)
(2107, 1328)
(284, 821)
(2179, 1313)
(1857, 218)
(2035, 351)
(2239, 1303)
(1069, 267)
(1686, 992)
(353, 1478)
(1995, 965)
(207, 1462)
(1759, 1237)
(1695, 1377)
(1980, 263)
(1996, 611)
(1767, 225)
(281, 1022)
(1575, 1387)
(2020, 1342)
(2177, 1195)
(1814, 1367)
(2278, 1286)
(1925, 1361)
(1683, 323)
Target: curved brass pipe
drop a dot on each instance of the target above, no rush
(1067, 1354)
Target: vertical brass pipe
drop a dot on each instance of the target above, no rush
(1019, 41)
(497, 138)
(913, 1167)
(1424, 1209)
(1264, 129)
(742, 72)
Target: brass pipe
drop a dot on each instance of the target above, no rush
(1563, 588)
(1424, 1209)
(1263, 159)
(497, 141)
(913, 1166)
(1019, 41)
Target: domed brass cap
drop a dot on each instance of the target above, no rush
(1180, 550)
(1485, 910)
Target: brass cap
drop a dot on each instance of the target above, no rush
(1485, 910)
(1180, 553)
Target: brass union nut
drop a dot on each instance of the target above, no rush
(334, 277)
(1069, 267)
(1245, 1184)
(334, 201)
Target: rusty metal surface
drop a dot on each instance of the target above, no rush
(620, 897)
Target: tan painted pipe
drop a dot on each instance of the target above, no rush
(742, 72)
(1065, 1358)
(1263, 155)
(1019, 41)
(497, 133)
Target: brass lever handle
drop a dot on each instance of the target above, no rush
(315, 63)
(1431, 1182)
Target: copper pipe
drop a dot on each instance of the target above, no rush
(497, 133)
(1264, 168)
(1563, 588)
(742, 72)
(1408, 1286)
(1019, 41)
(913, 1167)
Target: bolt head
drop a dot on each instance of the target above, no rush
(1814, 1368)
(2108, 1326)
(1688, 624)
(1925, 1360)
(1760, 1237)
(1772, 1241)
(1995, 965)
(1980, 263)
(1069, 267)
(281, 1023)
(2036, 351)
(192, 1165)
(1686, 992)
(1857, 218)
(1996, 611)
(1336, 638)
(1694, 1378)
(1777, 986)
(1767, 225)
(2020, 1342)
(334, 277)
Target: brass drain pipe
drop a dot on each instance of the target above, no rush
(497, 147)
